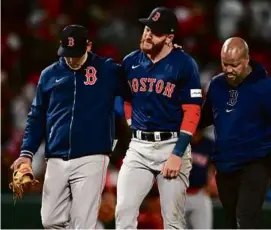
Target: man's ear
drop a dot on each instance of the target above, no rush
(246, 61)
(89, 47)
(169, 39)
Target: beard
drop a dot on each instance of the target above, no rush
(231, 77)
(148, 47)
(234, 79)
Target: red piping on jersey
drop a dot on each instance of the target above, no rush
(191, 117)
(128, 110)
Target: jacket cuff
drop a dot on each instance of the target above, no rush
(26, 153)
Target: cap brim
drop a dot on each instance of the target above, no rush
(144, 21)
(156, 28)
(68, 52)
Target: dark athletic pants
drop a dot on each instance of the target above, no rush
(242, 193)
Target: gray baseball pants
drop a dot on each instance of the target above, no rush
(72, 192)
(199, 211)
(136, 179)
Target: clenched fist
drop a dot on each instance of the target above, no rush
(172, 167)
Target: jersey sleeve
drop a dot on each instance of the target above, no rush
(36, 121)
(190, 88)
(119, 107)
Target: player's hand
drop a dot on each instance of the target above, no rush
(177, 46)
(19, 161)
(172, 167)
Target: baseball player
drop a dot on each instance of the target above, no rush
(74, 111)
(238, 105)
(166, 98)
(198, 207)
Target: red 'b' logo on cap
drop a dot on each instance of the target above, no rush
(70, 41)
(156, 16)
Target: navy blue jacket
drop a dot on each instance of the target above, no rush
(74, 110)
(119, 107)
(241, 117)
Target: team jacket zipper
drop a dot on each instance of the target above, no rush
(74, 100)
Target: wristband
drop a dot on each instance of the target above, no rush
(182, 143)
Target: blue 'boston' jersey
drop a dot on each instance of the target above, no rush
(242, 118)
(159, 90)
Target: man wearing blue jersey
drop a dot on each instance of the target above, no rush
(74, 111)
(166, 99)
(238, 105)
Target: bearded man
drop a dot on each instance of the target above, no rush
(166, 103)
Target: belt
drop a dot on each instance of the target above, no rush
(154, 136)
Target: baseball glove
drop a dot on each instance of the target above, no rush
(22, 177)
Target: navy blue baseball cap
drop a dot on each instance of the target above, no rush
(73, 41)
(161, 21)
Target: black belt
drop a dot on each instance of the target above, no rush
(154, 136)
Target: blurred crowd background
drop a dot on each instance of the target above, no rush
(29, 41)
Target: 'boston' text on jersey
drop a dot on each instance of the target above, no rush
(152, 85)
